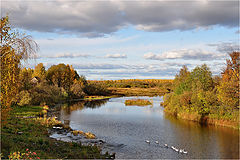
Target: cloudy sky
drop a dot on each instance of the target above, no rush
(128, 39)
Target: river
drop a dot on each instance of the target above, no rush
(126, 128)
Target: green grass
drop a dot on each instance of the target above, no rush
(137, 102)
(27, 111)
(20, 134)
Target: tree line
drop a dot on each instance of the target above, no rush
(136, 83)
(199, 93)
(54, 85)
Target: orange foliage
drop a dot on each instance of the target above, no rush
(228, 90)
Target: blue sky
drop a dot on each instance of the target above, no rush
(129, 39)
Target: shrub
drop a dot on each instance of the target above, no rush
(94, 89)
(76, 91)
(23, 98)
(48, 94)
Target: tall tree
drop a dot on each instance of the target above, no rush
(60, 75)
(25, 76)
(181, 82)
(14, 47)
(228, 90)
(40, 71)
(201, 78)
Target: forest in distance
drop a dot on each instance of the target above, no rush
(28, 95)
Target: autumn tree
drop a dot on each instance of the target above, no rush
(202, 89)
(73, 73)
(14, 48)
(181, 82)
(228, 90)
(61, 75)
(39, 71)
(25, 76)
(201, 78)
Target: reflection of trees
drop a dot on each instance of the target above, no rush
(206, 141)
(228, 142)
(95, 103)
(193, 137)
(68, 108)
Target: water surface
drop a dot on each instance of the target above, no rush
(127, 128)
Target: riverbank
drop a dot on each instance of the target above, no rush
(206, 120)
(27, 134)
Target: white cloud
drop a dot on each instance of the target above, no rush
(98, 18)
(65, 55)
(186, 54)
(116, 56)
(226, 47)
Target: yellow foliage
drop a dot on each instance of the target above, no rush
(90, 135)
(15, 155)
(228, 89)
(48, 121)
(14, 47)
(77, 132)
(45, 107)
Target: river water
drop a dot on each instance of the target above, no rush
(127, 127)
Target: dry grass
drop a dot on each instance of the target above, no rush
(88, 135)
(137, 102)
(137, 91)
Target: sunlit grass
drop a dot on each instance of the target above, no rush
(137, 102)
(21, 133)
(138, 91)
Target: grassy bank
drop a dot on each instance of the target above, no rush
(211, 119)
(29, 136)
(137, 102)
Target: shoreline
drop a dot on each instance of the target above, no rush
(121, 92)
(206, 120)
(29, 130)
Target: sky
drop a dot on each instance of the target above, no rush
(128, 39)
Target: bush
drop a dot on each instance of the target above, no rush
(23, 98)
(48, 94)
(76, 91)
(95, 89)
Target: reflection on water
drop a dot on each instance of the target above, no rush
(68, 108)
(116, 123)
(206, 141)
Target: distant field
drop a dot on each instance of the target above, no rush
(136, 87)
(138, 91)
(135, 83)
